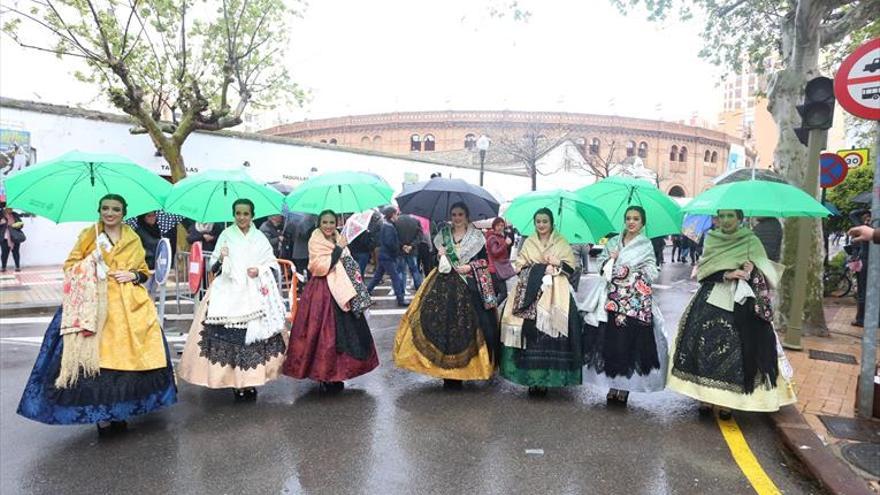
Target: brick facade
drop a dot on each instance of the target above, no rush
(392, 132)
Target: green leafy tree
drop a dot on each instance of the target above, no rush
(174, 66)
(785, 38)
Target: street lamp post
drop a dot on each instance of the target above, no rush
(483, 146)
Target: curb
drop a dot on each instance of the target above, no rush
(29, 309)
(828, 469)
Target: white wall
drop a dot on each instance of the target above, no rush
(52, 135)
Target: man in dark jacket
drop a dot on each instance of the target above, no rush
(297, 234)
(389, 251)
(769, 231)
(408, 230)
(273, 229)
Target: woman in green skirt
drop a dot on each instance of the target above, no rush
(540, 326)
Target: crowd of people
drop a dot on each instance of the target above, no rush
(104, 357)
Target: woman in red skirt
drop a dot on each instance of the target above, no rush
(331, 340)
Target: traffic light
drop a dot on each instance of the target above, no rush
(817, 112)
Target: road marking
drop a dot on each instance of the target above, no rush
(34, 341)
(386, 312)
(745, 459)
(25, 320)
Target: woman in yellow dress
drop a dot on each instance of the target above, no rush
(104, 358)
(450, 330)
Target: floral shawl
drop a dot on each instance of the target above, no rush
(629, 292)
(346, 285)
(464, 253)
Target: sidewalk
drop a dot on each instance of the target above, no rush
(827, 390)
(33, 290)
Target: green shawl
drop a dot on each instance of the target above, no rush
(723, 252)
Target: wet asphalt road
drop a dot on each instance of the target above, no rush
(390, 431)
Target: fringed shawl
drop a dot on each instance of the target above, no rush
(339, 280)
(552, 308)
(238, 300)
(629, 291)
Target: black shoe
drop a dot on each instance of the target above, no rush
(332, 387)
(538, 391)
(857, 323)
(250, 394)
(453, 384)
(17, 270)
(705, 409)
(111, 428)
(725, 414)
(622, 397)
(240, 394)
(402, 304)
(611, 396)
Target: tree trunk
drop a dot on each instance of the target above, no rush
(533, 172)
(800, 46)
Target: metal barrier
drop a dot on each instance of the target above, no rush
(182, 290)
(288, 283)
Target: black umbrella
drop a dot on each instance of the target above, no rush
(165, 220)
(741, 174)
(864, 197)
(432, 199)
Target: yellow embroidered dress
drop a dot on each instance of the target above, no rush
(135, 367)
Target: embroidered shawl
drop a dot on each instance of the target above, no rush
(629, 292)
(238, 300)
(551, 310)
(724, 252)
(344, 285)
(464, 253)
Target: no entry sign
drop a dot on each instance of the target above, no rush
(857, 83)
(832, 169)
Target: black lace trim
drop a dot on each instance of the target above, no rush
(225, 346)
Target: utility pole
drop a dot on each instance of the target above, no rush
(817, 113)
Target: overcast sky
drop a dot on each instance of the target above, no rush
(397, 55)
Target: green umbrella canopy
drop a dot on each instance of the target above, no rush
(757, 198)
(68, 188)
(342, 192)
(615, 194)
(208, 196)
(578, 219)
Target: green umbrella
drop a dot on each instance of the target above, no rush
(208, 196)
(615, 194)
(342, 192)
(67, 188)
(578, 219)
(757, 198)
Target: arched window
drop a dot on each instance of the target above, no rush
(429, 142)
(365, 142)
(581, 144)
(377, 142)
(676, 191)
(415, 143)
(643, 150)
(630, 148)
(714, 157)
(324, 141)
(470, 142)
(683, 154)
(332, 140)
(707, 156)
(595, 145)
(673, 153)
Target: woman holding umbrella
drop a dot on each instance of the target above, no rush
(331, 340)
(540, 326)
(238, 337)
(625, 347)
(726, 352)
(450, 329)
(104, 358)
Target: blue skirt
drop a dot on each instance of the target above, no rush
(111, 396)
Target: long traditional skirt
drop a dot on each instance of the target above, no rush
(443, 331)
(326, 343)
(111, 396)
(216, 356)
(632, 356)
(729, 358)
(544, 361)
